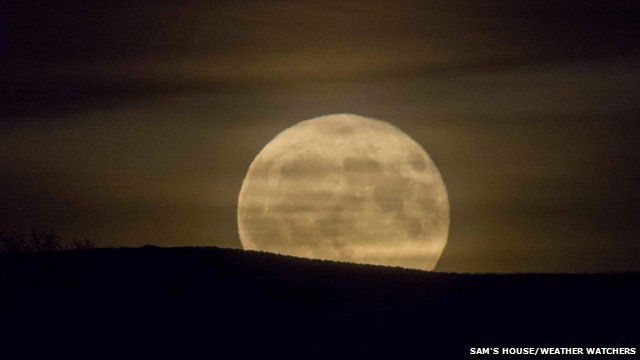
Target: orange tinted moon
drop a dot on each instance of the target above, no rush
(345, 188)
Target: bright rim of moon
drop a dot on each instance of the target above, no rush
(345, 188)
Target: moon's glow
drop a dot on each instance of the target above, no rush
(345, 188)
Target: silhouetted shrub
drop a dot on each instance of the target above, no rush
(11, 243)
(83, 244)
(40, 241)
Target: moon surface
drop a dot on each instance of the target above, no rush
(345, 188)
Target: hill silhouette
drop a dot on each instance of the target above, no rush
(222, 303)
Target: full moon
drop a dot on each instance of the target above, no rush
(345, 188)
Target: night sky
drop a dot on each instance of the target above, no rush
(134, 122)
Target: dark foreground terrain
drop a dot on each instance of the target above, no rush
(221, 304)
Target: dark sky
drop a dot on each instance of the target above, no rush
(134, 122)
